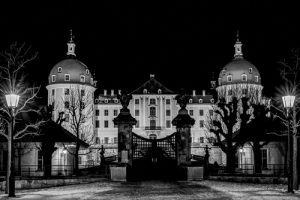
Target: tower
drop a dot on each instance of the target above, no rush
(239, 78)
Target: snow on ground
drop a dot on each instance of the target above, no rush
(156, 190)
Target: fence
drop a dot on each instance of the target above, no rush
(248, 169)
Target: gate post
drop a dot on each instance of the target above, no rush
(124, 121)
(183, 123)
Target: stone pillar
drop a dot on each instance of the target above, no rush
(183, 123)
(125, 121)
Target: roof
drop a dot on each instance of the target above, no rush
(52, 132)
(72, 67)
(196, 99)
(152, 86)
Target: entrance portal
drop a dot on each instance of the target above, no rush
(153, 158)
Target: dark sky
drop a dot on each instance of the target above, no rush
(182, 43)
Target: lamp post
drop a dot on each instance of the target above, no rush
(288, 103)
(12, 101)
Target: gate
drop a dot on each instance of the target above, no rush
(154, 158)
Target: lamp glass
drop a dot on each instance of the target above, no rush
(12, 100)
(288, 101)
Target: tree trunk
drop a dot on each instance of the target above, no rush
(257, 157)
(47, 149)
(230, 159)
(76, 165)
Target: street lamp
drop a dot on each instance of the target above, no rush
(288, 103)
(12, 101)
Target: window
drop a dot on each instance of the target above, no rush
(211, 140)
(136, 101)
(244, 91)
(152, 123)
(264, 157)
(201, 123)
(137, 112)
(59, 70)
(168, 112)
(145, 91)
(105, 112)
(67, 104)
(152, 101)
(82, 105)
(97, 112)
(115, 140)
(97, 140)
(201, 139)
(159, 91)
(256, 79)
(97, 123)
(67, 77)
(201, 112)
(212, 101)
(87, 71)
(191, 112)
(106, 139)
(137, 124)
(67, 117)
(82, 92)
(219, 81)
(152, 111)
(82, 78)
(250, 70)
(190, 100)
(115, 112)
(40, 161)
(53, 78)
(168, 124)
(106, 124)
(67, 91)
(244, 77)
(106, 100)
(116, 101)
(53, 92)
(168, 101)
(229, 78)
(200, 100)
(211, 112)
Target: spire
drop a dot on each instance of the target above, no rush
(238, 47)
(71, 45)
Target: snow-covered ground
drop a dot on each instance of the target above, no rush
(159, 190)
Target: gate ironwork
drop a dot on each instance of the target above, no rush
(144, 148)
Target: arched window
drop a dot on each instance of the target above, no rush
(145, 91)
(229, 78)
(87, 71)
(159, 91)
(190, 100)
(59, 69)
(250, 70)
(200, 100)
(82, 78)
(244, 77)
(256, 79)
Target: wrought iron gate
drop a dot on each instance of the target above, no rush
(153, 149)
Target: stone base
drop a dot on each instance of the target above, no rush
(190, 173)
(194, 173)
(118, 173)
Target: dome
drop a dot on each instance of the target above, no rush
(70, 70)
(239, 70)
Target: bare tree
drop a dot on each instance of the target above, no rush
(291, 82)
(12, 80)
(225, 125)
(78, 110)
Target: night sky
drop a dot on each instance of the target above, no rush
(182, 43)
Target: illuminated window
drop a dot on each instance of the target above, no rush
(67, 77)
(244, 77)
(229, 78)
(82, 78)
